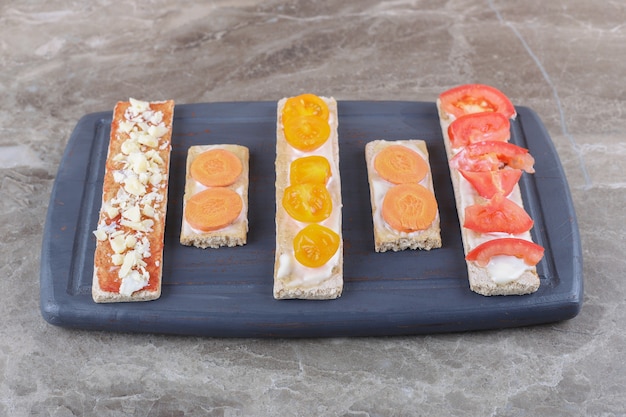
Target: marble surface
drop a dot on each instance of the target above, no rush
(62, 59)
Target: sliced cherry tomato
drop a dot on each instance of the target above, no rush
(306, 133)
(476, 98)
(399, 164)
(313, 169)
(491, 155)
(479, 127)
(497, 215)
(305, 105)
(314, 245)
(489, 183)
(308, 202)
(520, 248)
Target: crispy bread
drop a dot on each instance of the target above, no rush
(291, 279)
(128, 260)
(479, 279)
(385, 237)
(234, 234)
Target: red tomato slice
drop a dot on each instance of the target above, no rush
(491, 155)
(489, 183)
(476, 98)
(479, 127)
(497, 215)
(520, 248)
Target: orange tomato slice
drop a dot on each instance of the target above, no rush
(313, 169)
(479, 127)
(520, 248)
(305, 105)
(314, 245)
(399, 164)
(476, 98)
(306, 133)
(216, 168)
(497, 215)
(213, 209)
(409, 207)
(309, 202)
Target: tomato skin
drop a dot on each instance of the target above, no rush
(493, 155)
(305, 105)
(479, 127)
(306, 133)
(520, 248)
(308, 202)
(314, 245)
(497, 215)
(475, 98)
(489, 183)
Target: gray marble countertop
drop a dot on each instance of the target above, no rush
(565, 59)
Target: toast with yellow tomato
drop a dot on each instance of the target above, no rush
(309, 243)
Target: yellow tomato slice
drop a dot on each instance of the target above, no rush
(306, 133)
(314, 245)
(309, 169)
(309, 202)
(305, 105)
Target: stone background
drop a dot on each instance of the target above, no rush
(62, 59)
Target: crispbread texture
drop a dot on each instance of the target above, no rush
(234, 234)
(386, 238)
(479, 280)
(101, 296)
(294, 286)
(104, 268)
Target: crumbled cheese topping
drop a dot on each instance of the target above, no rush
(130, 215)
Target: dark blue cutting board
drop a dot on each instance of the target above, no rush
(227, 292)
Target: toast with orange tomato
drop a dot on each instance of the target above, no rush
(405, 213)
(485, 169)
(215, 204)
(309, 243)
(128, 259)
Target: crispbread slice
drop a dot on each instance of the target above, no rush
(479, 280)
(292, 280)
(386, 238)
(234, 234)
(134, 203)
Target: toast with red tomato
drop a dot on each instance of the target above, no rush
(405, 213)
(309, 244)
(485, 169)
(128, 259)
(215, 204)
